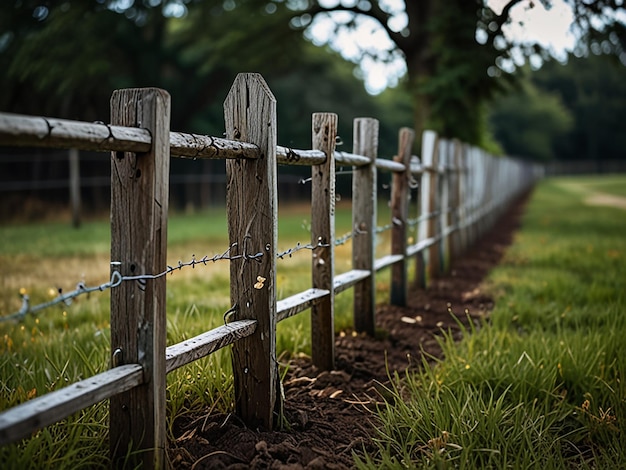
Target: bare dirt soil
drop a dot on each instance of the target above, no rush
(328, 413)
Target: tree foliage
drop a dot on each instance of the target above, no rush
(456, 52)
(567, 111)
(64, 58)
(529, 122)
(68, 55)
(593, 89)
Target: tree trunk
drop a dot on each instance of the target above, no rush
(419, 61)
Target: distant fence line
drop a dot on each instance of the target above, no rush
(68, 179)
(584, 167)
(461, 193)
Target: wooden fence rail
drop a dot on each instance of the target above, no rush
(461, 192)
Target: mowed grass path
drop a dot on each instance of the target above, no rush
(542, 382)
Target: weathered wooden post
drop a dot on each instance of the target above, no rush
(472, 193)
(421, 229)
(458, 175)
(493, 182)
(364, 223)
(444, 204)
(251, 203)
(75, 186)
(430, 200)
(483, 204)
(464, 197)
(399, 216)
(139, 203)
(324, 134)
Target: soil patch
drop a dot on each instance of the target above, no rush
(328, 414)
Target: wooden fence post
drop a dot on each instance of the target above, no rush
(251, 202)
(399, 216)
(74, 161)
(430, 200)
(444, 204)
(463, 197)
(472, 172)
(455, 215)
(139, 203)
(483, 202)
(421, 229)
(324, 134)
(364, 223)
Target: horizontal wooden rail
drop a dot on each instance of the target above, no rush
(212, 148)
(297, 303)
(21, 421)
(386, 261)
(412, 250)
(389, 165)
(348, 279)
(18, 130)
(289, 156)
(195, 348)
(345, 158)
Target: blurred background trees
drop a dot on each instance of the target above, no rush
(458, 54)
(464, 77)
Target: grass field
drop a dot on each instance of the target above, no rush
(66, 343)
(542, 383)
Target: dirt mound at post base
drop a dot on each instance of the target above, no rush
(327, 415)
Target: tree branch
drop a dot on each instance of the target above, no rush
(375, 12)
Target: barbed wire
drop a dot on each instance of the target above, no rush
(117, 278)
(337, 173)
(289, 253)
(413, 222)
(348, 236)
(395, 222)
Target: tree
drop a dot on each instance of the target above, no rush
(530, 122)
(65, 58)
(456, 51)
(593, 90)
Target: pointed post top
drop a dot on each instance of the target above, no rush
(249, 98)
(249, 80)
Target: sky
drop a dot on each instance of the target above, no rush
(550, 28)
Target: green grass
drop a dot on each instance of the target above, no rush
(611, 184)
(541, 384)
(67, 343)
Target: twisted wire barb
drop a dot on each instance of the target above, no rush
(421, 218)
(337, 173)
(299, 247)
(117, 278)
(394, 223)
(345, 238)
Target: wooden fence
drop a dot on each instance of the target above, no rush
(462, 191)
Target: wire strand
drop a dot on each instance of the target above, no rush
(117, 278)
